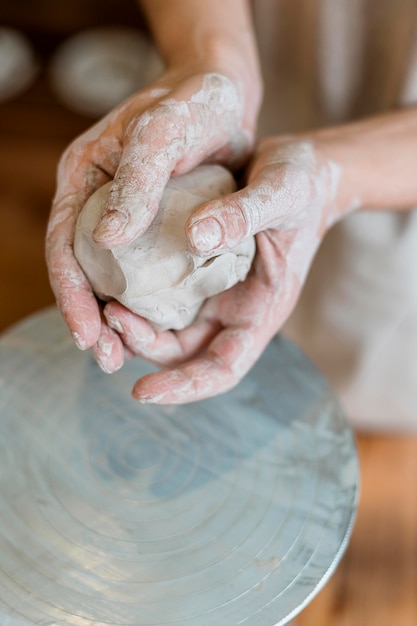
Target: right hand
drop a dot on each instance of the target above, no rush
(191, 115)
(294, 193)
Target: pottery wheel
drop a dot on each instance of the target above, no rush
(234, 510)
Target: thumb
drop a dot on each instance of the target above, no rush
(223, 223)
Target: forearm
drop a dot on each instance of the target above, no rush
(215, 35)
(377, 161)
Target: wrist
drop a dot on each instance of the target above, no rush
(376, 161)
(200, 37)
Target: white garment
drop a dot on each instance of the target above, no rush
(325, 62)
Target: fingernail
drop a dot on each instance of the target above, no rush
(111, 224)
(103, 352)
(207, 234)
(79, 341)
(114, 323)
(108, 368)
(147, 399)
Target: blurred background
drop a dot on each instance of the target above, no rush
(51, 89)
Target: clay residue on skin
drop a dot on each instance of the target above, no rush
(79, 340)
(159, 92)
(238, 344)
(314, 185)
(105, 357)
(204, 377)
(172, 137)
(60, 215)
(290, 194)
(83, 164)
(115, 323)
(66, 305)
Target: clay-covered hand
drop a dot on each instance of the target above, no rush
(186, 118)
(290, 200)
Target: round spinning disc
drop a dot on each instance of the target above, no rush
(234, 510)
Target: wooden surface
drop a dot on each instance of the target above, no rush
(376, 583)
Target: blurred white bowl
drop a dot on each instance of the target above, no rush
(18, 66)
(96, 69)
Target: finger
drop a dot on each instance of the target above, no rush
(73, 292)
(89, 162)
(109, 350)
(162, 348)
(172, 138)
(224, 223)
(228, 359)
(77, 179)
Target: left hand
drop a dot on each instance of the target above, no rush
(289, 201)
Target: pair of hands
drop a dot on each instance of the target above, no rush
(184, 119)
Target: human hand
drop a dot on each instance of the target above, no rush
(189, 116)
(289, 202)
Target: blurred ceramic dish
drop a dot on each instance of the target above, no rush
(18, 66)
(96, 69)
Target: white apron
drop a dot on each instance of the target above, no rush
(326, 62)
